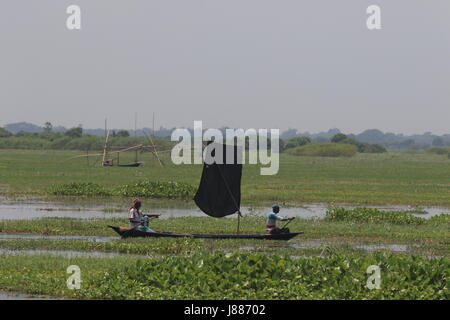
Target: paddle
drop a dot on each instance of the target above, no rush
(287, 223)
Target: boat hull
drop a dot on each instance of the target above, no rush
(133, 233)
(130, 165)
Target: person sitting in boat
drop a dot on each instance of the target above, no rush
(139, 220)
(272, 218)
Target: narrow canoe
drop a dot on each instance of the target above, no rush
(130, 165)
(127, 233)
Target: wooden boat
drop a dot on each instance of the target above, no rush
(218, 195)
(130, 165)
(131, 233)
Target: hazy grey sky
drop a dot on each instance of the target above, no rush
(310, 65)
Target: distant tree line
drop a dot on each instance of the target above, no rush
(341, 138)
(390, 141)
(73, 139)
(372, 140)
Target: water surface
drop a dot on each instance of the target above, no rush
(34, 209)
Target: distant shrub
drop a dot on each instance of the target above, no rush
(372, 215)
(437, 142)
(5, 133)
(439, 150)
(338, 138)
(364, 147)
(84, 143)
(28, 143)
(60, 143)
(325, 149)
(373, 148)
(74, 132)
(297, 142)
(123, 133)
(51, 136)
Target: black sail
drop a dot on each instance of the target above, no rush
(219, 192)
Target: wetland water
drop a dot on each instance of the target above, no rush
(20, 296)
(307, 244)
(62, 253)
(34, 209)
(5, 236)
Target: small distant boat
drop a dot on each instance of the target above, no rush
(131, 165)
(132, 233)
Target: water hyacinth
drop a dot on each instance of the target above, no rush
(440, 218)
(372, 215)
(157, 189)
(257, 276)
(80, 189)
(144, 189)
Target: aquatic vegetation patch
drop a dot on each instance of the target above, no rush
(372, 215)
(80, 189)
(157, 189)
(145, 189)
(233, 275)
(443, 218)
(258, 276)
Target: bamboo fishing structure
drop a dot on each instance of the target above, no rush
(151, 147)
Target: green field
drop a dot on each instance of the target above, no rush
(409, 178)
(328, 261)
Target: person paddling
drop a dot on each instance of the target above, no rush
(137, 219)
(272, 218)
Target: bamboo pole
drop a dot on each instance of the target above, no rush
(105, 147)
(154, 148)
(111, 152)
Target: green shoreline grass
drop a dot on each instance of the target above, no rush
(379, 179)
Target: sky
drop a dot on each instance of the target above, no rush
(309, 65)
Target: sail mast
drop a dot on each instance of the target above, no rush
(232, 198)
(135, 135)
(219, 191)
